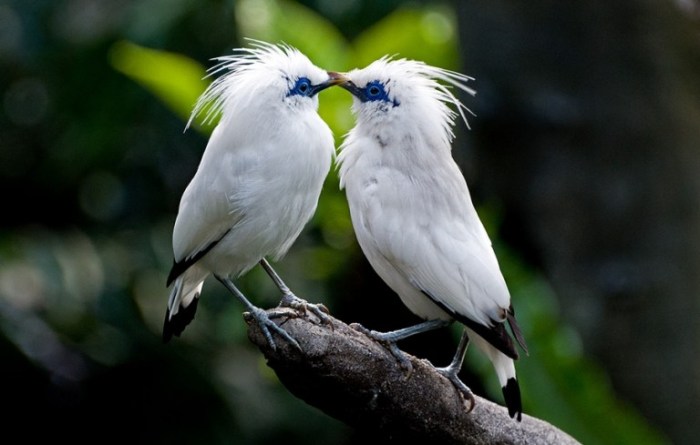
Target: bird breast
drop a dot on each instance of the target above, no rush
(415, 222)
(264, 187)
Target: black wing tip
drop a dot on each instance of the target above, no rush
(179, 267)
(511, 394)
(515, 328)
(175, 325)
(176, 271)
(168, 331)
(496, 335)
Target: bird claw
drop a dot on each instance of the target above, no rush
(264, 320)
(464, 391)
(404, 362)
(379, 337)
(319, 310)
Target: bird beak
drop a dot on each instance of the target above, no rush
(344, 82)
(333, 79)
(352, 88)
(336, 78)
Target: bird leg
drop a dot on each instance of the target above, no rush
(291, 300)
(452, 371)
(263, 318)
(390, 338)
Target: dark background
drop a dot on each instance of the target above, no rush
(582, 159)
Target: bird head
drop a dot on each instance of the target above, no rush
(264, 75)
(302, 86)
(406, 93)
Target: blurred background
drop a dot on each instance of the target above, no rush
(583, 161)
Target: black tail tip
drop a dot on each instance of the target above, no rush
(511, 394)
(167, 332)
(176, 324)
(171, 329)
(167, 328)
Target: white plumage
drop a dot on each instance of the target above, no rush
(259, 179)
(413, 216)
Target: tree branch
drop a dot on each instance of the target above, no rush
(352, 378)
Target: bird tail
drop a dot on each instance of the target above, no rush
(182, 303)
(505, 370)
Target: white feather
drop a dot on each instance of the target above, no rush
(261, 174)
(410, 204)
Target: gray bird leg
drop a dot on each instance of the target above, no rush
(452, 371)
(291, 300)
(263, 318)
(390, 338)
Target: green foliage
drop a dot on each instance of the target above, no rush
(270, 20)
(428, 34)
(559, 384)
(175, 79)
(96, 300)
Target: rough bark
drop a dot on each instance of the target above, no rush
(354, 379)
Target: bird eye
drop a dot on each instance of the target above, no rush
(302, 87)
(375, 91)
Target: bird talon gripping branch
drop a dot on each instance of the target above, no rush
(292, 301)
(388, 340)
(400, 356)
(472, 403)
(304, 307)
(264, 320)
(286, 314)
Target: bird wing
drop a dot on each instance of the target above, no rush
(456, 267)
(427, 227)
(209, 208)
(437, 243)
(457, 270)
(197, 230)
(203, 219)
(462, 280)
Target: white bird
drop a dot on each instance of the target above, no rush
(413, 216)
(259, 179)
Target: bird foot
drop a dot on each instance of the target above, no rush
(386, 339)
(464, 391)
(319, 310)
(264, 320)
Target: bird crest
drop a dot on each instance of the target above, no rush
(258, 69)
(406, 79)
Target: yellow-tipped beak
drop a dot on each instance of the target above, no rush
(336, 78)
